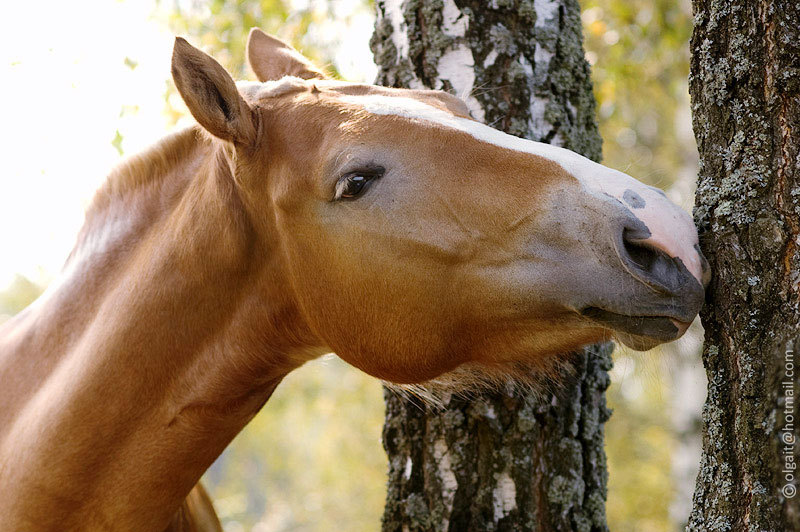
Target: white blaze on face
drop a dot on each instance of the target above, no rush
(671, 227)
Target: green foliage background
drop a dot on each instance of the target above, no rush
(639, 50)
(312, 459)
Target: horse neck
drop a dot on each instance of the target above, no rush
(154, 348)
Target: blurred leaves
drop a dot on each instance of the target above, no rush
(311, 459)
(130, 63)
(639, 51)
(639, 446)
(117, 141)
(20, 293)
(221, 27)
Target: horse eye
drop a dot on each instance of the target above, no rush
(352, 185)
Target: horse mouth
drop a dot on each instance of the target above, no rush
(638, 332)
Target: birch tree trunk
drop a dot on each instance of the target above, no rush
(504, 461)
(745, 88)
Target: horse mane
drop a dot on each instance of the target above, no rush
(138, 172)
(143, 168)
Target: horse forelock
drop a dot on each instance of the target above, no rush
(253, 91)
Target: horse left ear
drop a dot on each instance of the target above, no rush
(211, 95)
(271, 58)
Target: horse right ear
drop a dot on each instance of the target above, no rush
(211, 95)
(271, 58)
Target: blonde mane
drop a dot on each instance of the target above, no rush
(138, 172)
(144, 167)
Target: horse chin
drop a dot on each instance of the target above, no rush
(645, 343)
(640, 333)
(637, 343)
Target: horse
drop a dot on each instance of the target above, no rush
(303, 215)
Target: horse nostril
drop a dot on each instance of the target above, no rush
(650, 264)
(642, 255)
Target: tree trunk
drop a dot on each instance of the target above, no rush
(503, 461)
(745, 88)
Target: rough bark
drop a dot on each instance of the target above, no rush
(745, 88)
(504, 461)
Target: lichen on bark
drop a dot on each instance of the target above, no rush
(745, 88)
(503, 461)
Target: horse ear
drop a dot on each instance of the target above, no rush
(211, 95)
(271, 58)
